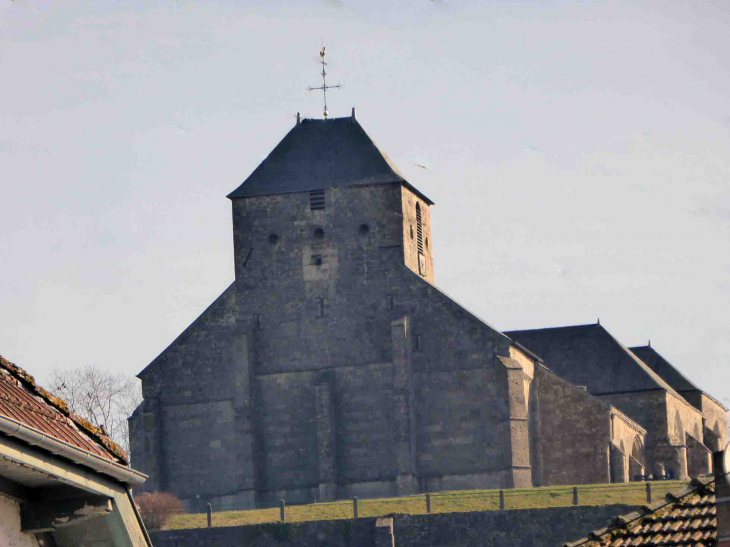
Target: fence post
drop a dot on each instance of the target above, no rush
(575, 495)
(648, 492)
(501, 499)
(210, 515)
(428, 503)
(354, 507)
(282, 510)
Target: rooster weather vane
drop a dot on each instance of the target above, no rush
(324, 87)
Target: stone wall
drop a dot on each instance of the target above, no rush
(197, 438)
(330, 369)
(627, 435)
(516, 528)
(715, 434)
(10, 534)
(194, 372)
(683, 419)
(667, 419)
(423, 264)
(574, 433)
(628, 453)
(647, 408)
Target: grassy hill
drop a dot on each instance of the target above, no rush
(442, 502)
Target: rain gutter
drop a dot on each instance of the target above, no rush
(33, 436)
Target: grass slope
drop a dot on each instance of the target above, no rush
(442, 502)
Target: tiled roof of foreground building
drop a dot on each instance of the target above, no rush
(684, 518)
(24, 401)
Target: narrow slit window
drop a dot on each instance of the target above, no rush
(419, 228)
(316, 200)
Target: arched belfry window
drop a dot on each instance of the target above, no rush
(419, 228)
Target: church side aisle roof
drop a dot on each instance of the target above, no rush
(319, 154)
(589, 355)
(663, 368)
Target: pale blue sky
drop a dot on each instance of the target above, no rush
(577, 153)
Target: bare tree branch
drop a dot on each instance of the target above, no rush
(101, 397)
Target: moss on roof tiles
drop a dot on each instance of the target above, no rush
(87, 427)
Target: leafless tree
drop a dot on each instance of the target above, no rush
(101, 397)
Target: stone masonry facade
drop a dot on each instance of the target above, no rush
(334, 367)
(517, 528)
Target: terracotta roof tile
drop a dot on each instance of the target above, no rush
(687, 518)
(22, 400)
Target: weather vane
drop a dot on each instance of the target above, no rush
(324, 87)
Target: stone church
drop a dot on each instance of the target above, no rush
(334, 367)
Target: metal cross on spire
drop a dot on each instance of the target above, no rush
(324, 87)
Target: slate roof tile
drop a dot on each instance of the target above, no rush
(589, 355)
(318, 154)
(663, 368)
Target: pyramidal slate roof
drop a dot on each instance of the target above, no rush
(664, 368)
(588, 355)
(318, 154)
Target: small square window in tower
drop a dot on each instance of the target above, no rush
(316, 200)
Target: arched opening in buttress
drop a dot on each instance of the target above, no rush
(637, 460)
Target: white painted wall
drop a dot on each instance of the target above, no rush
(10, 534)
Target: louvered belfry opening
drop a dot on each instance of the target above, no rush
(316, 200)
(419, 228)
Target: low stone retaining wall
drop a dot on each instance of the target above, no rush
(515, 528)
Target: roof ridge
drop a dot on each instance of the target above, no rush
(29, 384)
(463, 308)
(560, 346)
(187, 330)
(666, 361)
(582, 325)
(644, 367)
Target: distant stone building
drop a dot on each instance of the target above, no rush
(684, 424)
(332, 366)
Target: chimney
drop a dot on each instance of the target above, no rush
(721, 464)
